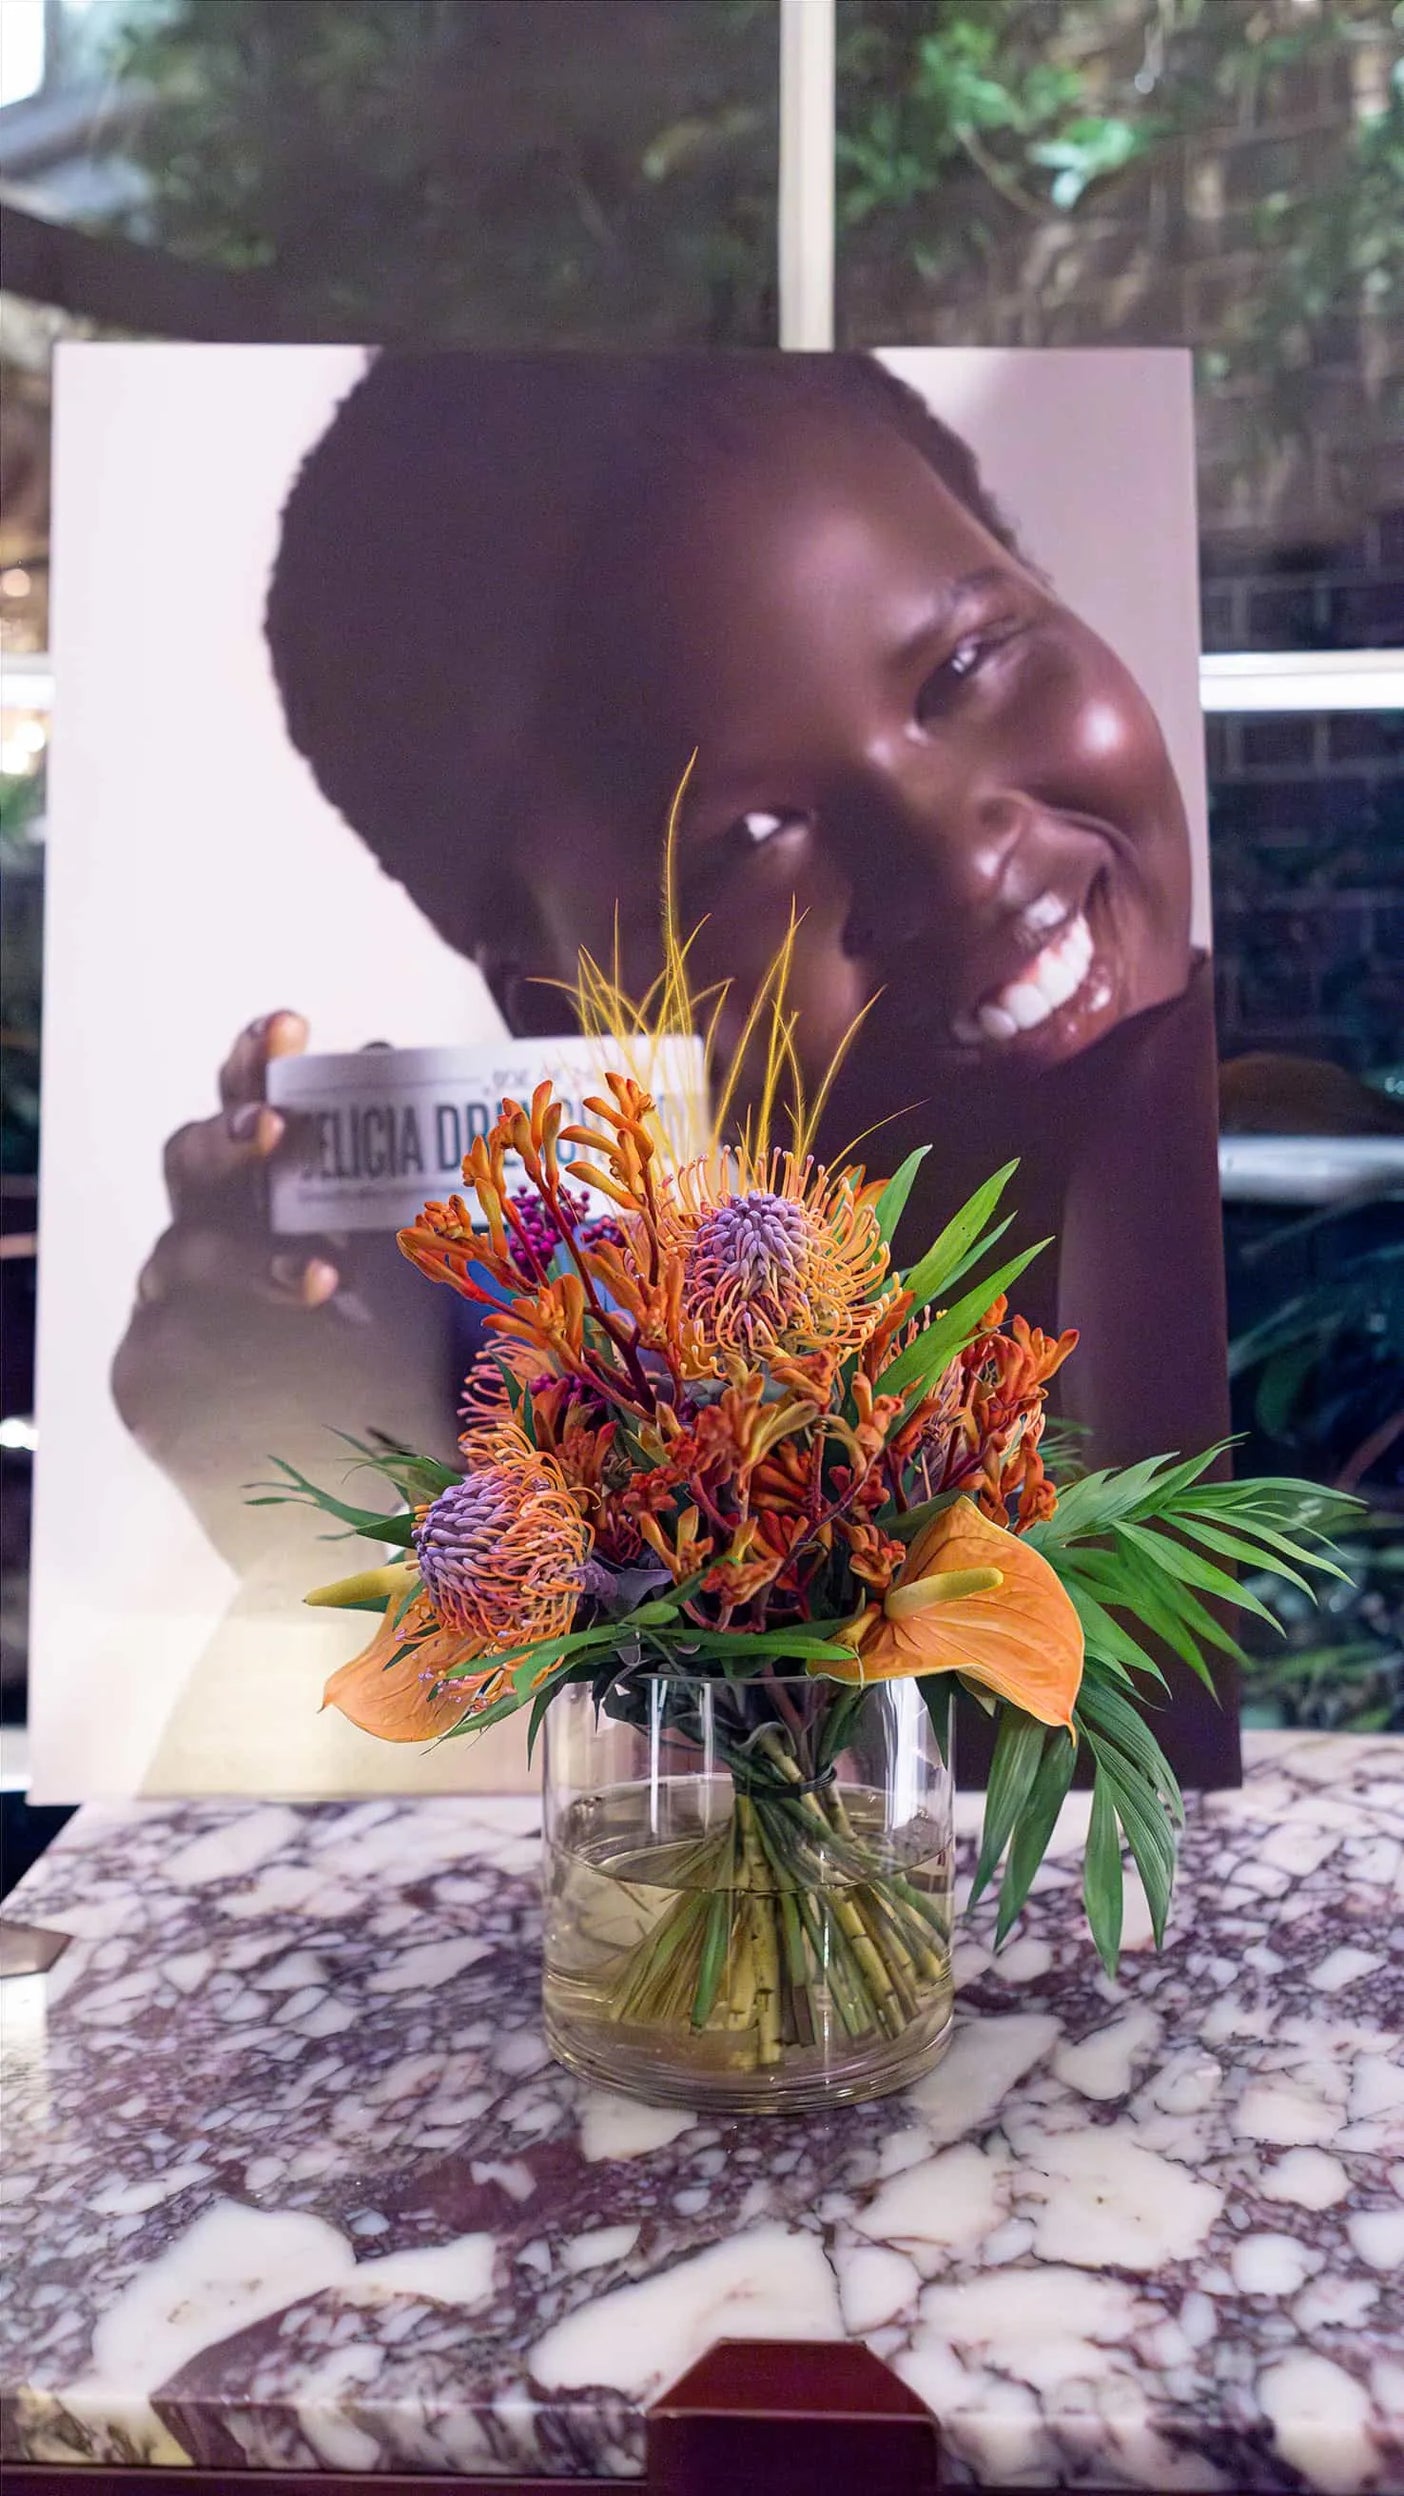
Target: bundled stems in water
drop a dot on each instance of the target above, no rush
(785, 1921)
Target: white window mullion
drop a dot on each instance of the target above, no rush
(806, 204)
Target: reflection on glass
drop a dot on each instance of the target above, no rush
(22, 55)
(1308, 868)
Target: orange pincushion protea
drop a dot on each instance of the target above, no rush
(778, 1256)
(501, 1557)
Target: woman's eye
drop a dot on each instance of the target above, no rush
(715, 862)
(963, 661)
(753, 830)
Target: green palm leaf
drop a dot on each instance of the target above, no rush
(1017, 1752)
(1107, 1640)
(1137, 1543)
(296, 1490)
(892, 1203)
(1033, 1829)
(1101, 1878)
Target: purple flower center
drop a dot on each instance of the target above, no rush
(754, 1242)
(456, 1538)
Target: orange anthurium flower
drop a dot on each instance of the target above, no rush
(407, 1701)
(975, 1600)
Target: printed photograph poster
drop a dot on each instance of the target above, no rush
(376, 676)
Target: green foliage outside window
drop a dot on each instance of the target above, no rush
(1319, 1381)
(487, 173)
(604, 170)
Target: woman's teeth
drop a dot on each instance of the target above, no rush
(1042, 986)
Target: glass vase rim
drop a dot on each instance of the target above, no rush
(798, 1679)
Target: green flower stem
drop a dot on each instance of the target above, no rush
(887, 1936)
(741, 1998)
(875, 1969)
(867, 1969)
(669, 1936)
(795, 1885)
(929, 1917)
(827, 1946)
(857, 1918)
(844, 1963)
(797, 1970)
(768, 2046)
(713, 1957)
(920, 1910)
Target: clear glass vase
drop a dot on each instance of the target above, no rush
(748, 1889)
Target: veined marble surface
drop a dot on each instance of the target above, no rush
(289, 2179)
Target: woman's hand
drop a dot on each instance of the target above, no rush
(216, 1173)
(240, 1344)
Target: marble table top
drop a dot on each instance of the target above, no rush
(290, 2181)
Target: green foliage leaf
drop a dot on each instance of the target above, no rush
(296, 1490)
(923, 1361)
(1238, 1547)
(1281, 1382)
(1107, 1640)
(1146, 1828)
(539, 1707)
(1159, 1604)
(1017, 1752)
(932, 1272)
(1180, 1561)
(709, 1974)
(1101, 1877)
(1087, 151)
(1137, 1542)
(988, 1240)
(1100, 1500)
(1252, 1521)
(937, 1693)
(1034, 1827)
(417, 1478)
(892, 1203)
(802, 1642)
(905, 1524)
(1105, 1711)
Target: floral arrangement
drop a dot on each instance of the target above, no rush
(720, 1434)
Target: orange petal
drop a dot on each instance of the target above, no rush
(1022, 1639)
(400, 1702)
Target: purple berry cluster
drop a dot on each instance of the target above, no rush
(541, 1231)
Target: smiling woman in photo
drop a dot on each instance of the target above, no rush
(511, 598)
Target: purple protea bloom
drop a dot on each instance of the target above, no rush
(790, 1259)
(747, 1266)
(501, 1552)
(456, 1538)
